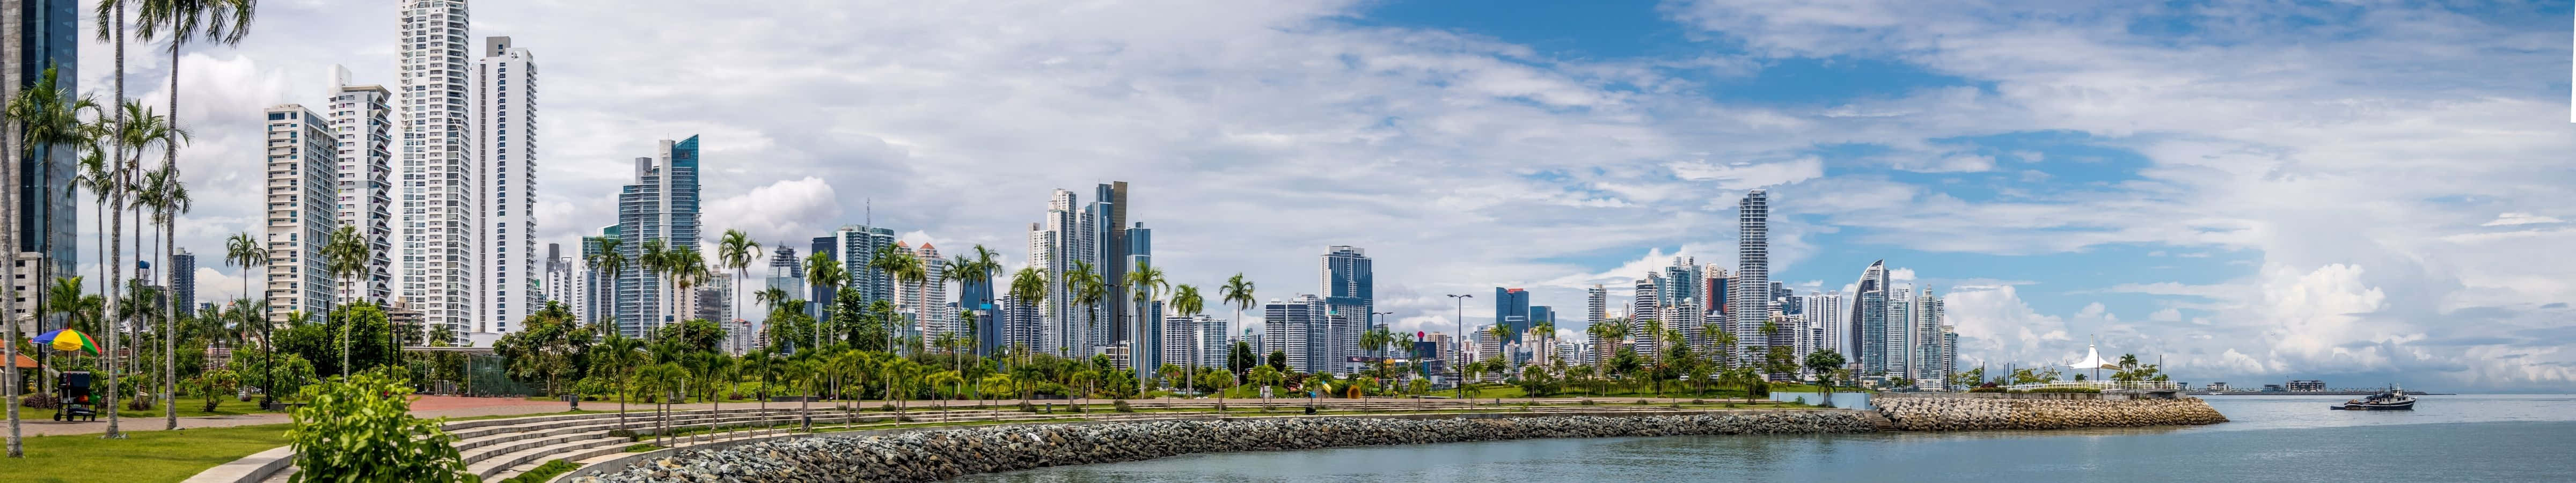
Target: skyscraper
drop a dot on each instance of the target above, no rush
(1066, 237)
(1296, 326)
(786, 273)
(361, 121)
(1867, 329)
(1110, 255)
(40, 34)
(1512, 311)
(1825, 312)
(1596, 310)
(439, 261)
(927, 302)
(1349, 284)
(302, 163)
(183, 282)
(854, 246)
(661, 205)
(563, 279)
(1752, 303)
(506, 86)
(1145, 342)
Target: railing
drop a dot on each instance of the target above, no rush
(2103, 385)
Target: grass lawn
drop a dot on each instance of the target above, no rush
(193, 409)
(143, 456)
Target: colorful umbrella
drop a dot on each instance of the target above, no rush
(68, 340)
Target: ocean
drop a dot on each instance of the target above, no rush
(2272, 438)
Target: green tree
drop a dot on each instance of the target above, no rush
(1187, 303)
(361, 429)
(1088, 290)
(1029, 288)
(44, 114)
(736, 251)
(1823, 363)
(610, 262)
(1148, 284)
(822, 271)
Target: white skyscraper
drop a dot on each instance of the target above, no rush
(438, 263)
(564, 283)
(303, 164)
(1751, 290)
(1596, 310)
(506, 87)
(1069, 234)
(362, 123)
(1825, 313)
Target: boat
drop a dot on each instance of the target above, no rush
(2393, 399)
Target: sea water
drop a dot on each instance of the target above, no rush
(2272, 438)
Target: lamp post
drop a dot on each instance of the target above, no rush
(1460, 341)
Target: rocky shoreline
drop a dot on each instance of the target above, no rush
(945, 454)
(1959, 414)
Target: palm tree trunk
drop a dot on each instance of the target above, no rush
(169, 322)
(9, 271)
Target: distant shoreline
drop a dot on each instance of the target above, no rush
(2307, 393)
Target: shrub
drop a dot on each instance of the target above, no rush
(1588, 402)
(545, 472)
(1121, 406)
(213, 385)
(39, 401)
(1028, 408)
(361, 429)
(2064, 390)
(1698, 401)
(1641, 402)
(1801, 400)
(1733, 405)
(1988, 388)
(639, 448)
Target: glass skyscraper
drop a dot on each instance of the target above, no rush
(661, 205)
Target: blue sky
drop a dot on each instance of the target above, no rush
(2363, 192)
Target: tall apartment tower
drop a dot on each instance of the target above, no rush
(661, 205)
(1512, 311)
(563, 283)
(854, 246)
(361, 119)
(1110, 255)
(927, 302)
(1350, 281)
(1752, 294)
(35, 35)
(438, 222)
(303, 163)
(1596, 310)
(183, 282)
(1825, 312)
(506, 128)
(1069, 234)
(1145, 338)
(1868, 319)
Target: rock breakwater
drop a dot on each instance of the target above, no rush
(943, 454)
(1962, 414)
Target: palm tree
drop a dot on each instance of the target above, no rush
(1238, 293)
(621, 354)
(1187, 303)
(1029, 287)
(1612, 331)
(963, 271)
(45, 115)
(688, 269)
(823, 271)
(1377, 338)
(140, 128)
(609, 263)
(1148, 284)
(345, 255)
(736, 251)
(169, 200)
(243, 251)
(1088, 290)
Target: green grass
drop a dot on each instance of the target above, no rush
(642, 447)
(544, 472)
(143, 456)
(191, 409)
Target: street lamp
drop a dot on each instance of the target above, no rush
(1459, 342)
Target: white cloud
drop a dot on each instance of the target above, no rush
(1900, 273)
(2520, 219)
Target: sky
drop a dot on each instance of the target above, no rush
(2357, 191)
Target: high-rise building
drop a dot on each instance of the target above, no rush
(302, 164)
(1300, 327)
(1145, 344)
(1596, 310)
(1825, 313)
(563, 280)
(1642, 308)
(1109, 249)
(1066, 238)
(506, 87)
(1868, 329)
(1901, 343)
(1512, 311)
(927, 302)
(786, 273)
(1752, 294)
(598, 292)
(1349, 287)
(439, 208)
(661, 205)
(183, 282)
(1928, 315)
(362, 123)
(36, 35)
(854, 246)
(1213, 341)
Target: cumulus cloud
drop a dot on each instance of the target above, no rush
(2509, 219)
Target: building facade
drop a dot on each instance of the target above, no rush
(1751, 302)
(42, 34)
(506, 86)
(362, 124)
(1349, 286)
(303, 165)
(661, 205)
(183, 282)
(439, 207)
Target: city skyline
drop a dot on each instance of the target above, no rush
(2227, 251)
